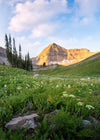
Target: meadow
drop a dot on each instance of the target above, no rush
(76, 97)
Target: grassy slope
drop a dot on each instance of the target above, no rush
(43, 95)
(89, 66)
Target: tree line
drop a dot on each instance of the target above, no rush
(15, 58)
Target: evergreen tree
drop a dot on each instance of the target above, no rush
(7, 46)
(44, 64)
(10, 49)
(15, 59)
(31, 65)
(28, 63)
(20, 58)
(14, 54)
(25, 66)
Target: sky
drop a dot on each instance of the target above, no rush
(37, 23)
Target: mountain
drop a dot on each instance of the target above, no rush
(3, 57)
(89, 66)
(55, 54)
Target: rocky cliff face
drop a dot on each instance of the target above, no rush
(55, 54)
(3, 57)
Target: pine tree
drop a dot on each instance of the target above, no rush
(25, 66)
(28, 62)
(20, 57)
(31, 65)
(15, 59)
(14, 54)
(10, 49)
(7, 46)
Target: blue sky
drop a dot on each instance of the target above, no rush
(37, 23)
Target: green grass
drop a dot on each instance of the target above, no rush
(48, 93)
(88, 67)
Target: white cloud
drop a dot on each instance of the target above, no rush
(85, 11)
(21, 39)
(33, 47)
(87, 7)
(43, 30)
(87, 20)
(31, 15)
(12, 2)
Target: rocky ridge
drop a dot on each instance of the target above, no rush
(3, 57)
(55, 54)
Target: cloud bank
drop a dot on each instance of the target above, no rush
(36, 16)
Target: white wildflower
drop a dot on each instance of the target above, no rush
(91, 84)
(65, 95)
(88, 78)
(5, 86)
(57, 86)
(90, 107)
(26, 87)
(19, 87)
(69, 86)
(36, 75)
(72, 96)
(82, 79)
(80, 103)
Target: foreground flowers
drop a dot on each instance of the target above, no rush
(90, 107)
(66, 95)
(80, 103)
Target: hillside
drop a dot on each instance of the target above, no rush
(55, 54)
(89, 66)
(67, 108)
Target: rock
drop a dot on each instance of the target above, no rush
(94, 120)
(36, 75)
(86, 123)
(3, 57)
(30, 124)
(22, 122)
(55, 54)
(51, 113)
(29, 106)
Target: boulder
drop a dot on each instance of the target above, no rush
(94, 120)
(51, 113)
(22, 122)
(86, 123)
